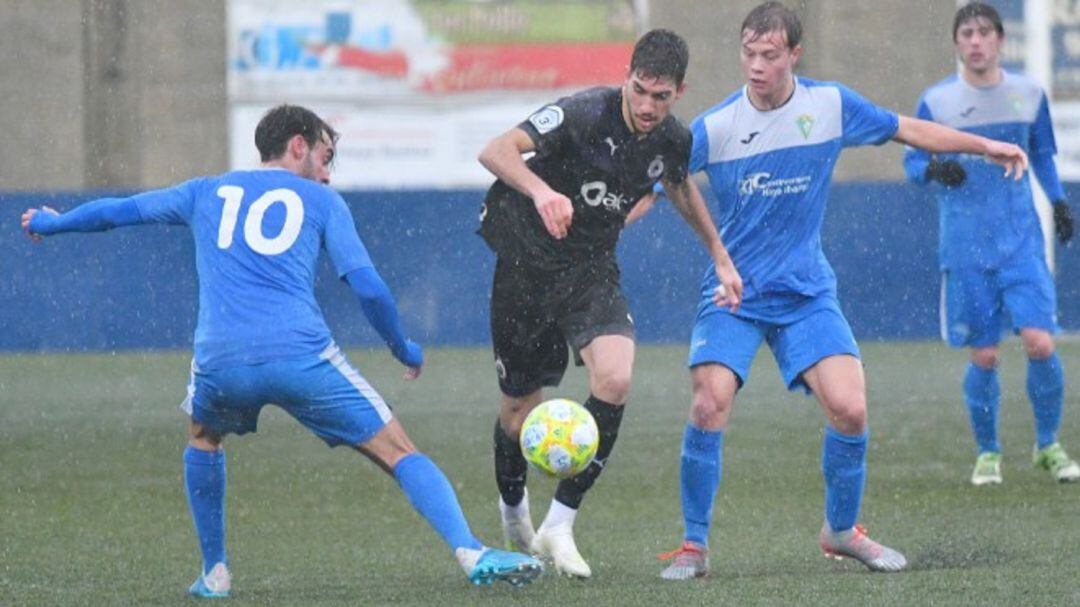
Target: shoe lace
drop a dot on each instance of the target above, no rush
(861, 541)
(686, 548)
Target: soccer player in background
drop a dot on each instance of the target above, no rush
(769, 150)
(553, 222)
(992, 252)
(261, 337)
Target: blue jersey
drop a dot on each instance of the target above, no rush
(990, 220)
(257, 239)
(770, 171)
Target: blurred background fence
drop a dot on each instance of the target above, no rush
(135, 288)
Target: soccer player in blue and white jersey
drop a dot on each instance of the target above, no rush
(992, 247)
(261, 337)
(769, 151)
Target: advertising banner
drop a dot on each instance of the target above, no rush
(397, 147)
(418, 86)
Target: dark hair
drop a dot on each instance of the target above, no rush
(285, 121)
(660, 53)
(774, 17)
(977, 10)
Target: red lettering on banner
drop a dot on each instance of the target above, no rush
(506, 67)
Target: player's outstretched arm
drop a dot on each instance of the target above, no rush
(381, 311)
(96, 216)
(502, 156)
(687, 199)
(934, 137)
(171, 205)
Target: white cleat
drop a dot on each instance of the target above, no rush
(987, 469)
(557, 544)
(213, 585)
(517, 525)
(854, 543)
(1054, 459)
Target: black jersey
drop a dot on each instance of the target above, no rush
(585, 151)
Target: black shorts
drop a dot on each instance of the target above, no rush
(536, 314)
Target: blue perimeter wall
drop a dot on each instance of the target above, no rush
(136, 287)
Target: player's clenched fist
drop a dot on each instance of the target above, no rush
(28, 215)
(557, 212)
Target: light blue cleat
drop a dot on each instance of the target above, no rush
(513, 568)
(213, 585)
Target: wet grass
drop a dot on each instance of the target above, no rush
(92, 510)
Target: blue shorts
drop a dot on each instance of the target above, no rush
(724, 338)
(974, 302)
(323, 392)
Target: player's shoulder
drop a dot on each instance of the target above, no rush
(823, 98)
(675, 129)
(257, 182)
(830, 89)
(582, 111)
(595, 100)
(719, 113)
(1022, 84)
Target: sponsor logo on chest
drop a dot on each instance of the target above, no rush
(764, 184)
(596, 194)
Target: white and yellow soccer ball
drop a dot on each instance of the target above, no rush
(559, 437)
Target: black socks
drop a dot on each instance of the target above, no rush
(510, 467)
(608, 418)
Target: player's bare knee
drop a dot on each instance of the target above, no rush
(985, 358)
(612, 387)
(203, 438)
(714, 387)
(848, 414)
(388, 446)
(514, 409)
(709, 410)
(512, 427)
(1038, 345)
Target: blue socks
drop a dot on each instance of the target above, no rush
(843, 463)
(424, 484)
(1046, 389)
(699, 476)
(204, 479)
(431, 495)
(982, 393)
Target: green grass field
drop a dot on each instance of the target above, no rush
(93, 510)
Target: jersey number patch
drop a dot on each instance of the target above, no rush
(253, 224)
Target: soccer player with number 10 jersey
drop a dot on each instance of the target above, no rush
(261, 337)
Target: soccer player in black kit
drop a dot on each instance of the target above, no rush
(553, 222)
